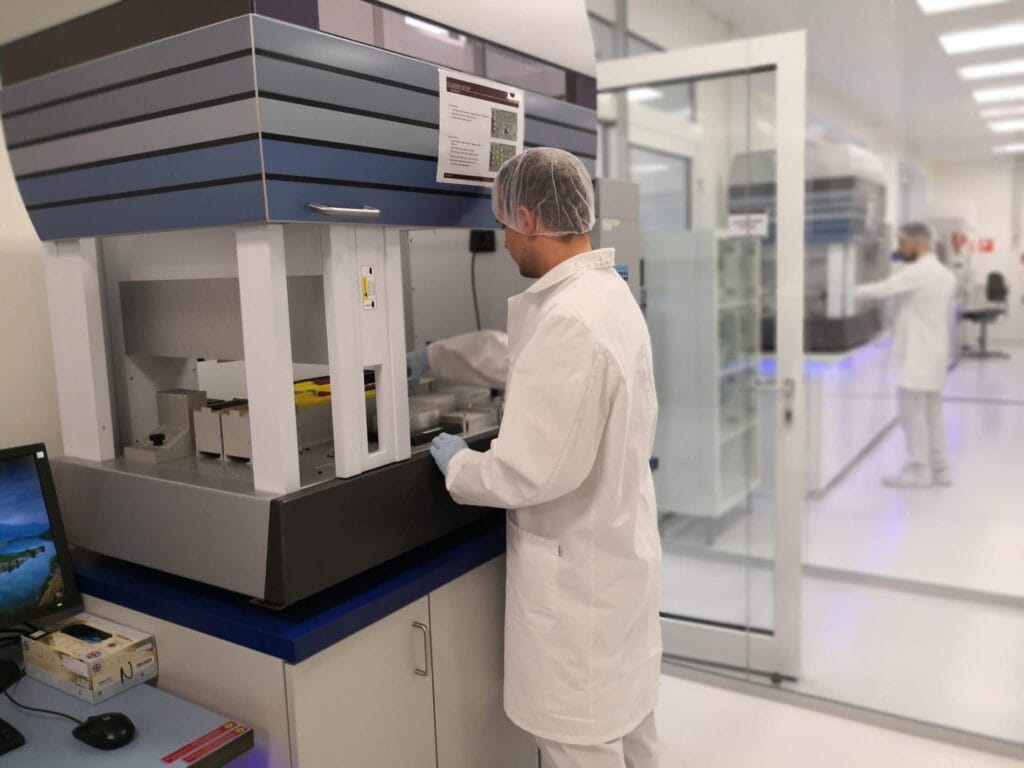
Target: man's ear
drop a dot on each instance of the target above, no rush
(527, 221)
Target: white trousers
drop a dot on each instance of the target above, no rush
(637, 749)
(924, 426)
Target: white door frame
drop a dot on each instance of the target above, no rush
(786, 55)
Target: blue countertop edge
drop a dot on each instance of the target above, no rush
(302, 630)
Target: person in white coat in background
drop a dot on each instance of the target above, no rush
(924, 291)
(571, 463)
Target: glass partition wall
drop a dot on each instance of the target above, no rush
(684, 139)
(912, 609)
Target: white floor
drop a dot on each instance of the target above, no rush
(955, 662)
(991, 378)
(970, 536)
(710, 589)
(707, 727)
(937, 660)
(947, 662)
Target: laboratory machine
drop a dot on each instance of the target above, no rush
(847, 241)
(237, 199)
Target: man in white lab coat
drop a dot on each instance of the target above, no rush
(571, 464)
(924, 290)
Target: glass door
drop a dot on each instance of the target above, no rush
(713, 140)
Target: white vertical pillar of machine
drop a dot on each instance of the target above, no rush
(71, 269)
(365, 332)
(388, 353)
(266, 338)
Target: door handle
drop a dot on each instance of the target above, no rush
(425, 671)
(765, 384)
(787, 388)
(333, 210)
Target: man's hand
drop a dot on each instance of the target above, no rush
(417, 362)
(444, 447)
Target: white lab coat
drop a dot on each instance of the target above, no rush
(571, 463)
(924, 291)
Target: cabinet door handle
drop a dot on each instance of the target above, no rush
(333, 210)
(425, 671)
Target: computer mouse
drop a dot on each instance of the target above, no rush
(108, 731)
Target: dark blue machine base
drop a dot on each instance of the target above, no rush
(307, 627)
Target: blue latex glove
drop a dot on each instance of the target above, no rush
(444, 447)
(417, 362)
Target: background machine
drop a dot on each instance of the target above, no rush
(246, 237)
(847, 240)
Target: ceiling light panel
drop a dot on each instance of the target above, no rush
(1007, 126)
(1009, 149)
(1003, 111)
(994, 69)
(944, 6)
(644, 93)
(985, 39)
(993, 95)
(649, 167)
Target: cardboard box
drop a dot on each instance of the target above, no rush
(90, 658)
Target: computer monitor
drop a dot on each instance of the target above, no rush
(37, 579)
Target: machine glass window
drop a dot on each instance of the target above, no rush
(352, 19)
(428, 41)
(505, 66)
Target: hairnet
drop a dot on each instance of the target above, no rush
(918, 229)
(552, 184)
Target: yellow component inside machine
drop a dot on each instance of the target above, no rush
(311, 393)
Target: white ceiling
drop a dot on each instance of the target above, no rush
(883, 59)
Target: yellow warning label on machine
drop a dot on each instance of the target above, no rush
(368, 286)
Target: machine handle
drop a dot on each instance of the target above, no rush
(426, 653)
(333, 210)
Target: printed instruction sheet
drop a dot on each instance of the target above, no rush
(481, 126)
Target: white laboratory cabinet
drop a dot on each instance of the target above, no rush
(704, 315)
(420, 688)
(425, 680)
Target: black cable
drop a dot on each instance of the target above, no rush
(43, 712)
(472, 278)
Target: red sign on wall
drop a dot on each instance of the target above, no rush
(986, 245)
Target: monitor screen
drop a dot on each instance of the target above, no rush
(35, 569)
